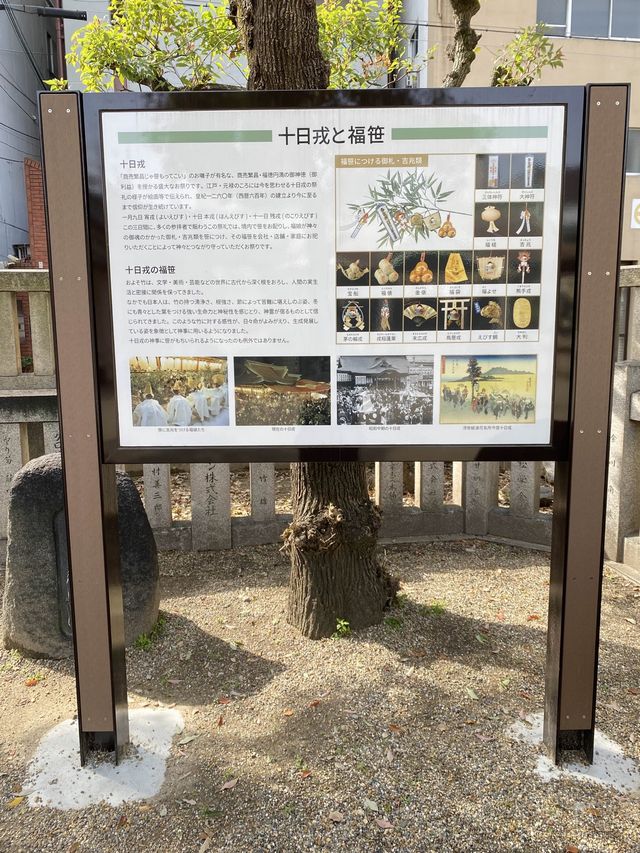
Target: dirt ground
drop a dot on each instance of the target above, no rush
(391, 739)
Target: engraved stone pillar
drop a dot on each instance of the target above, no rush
(263, 492)
(41, 333)
(389, 484)
(157, 495)
(633, 324)
(457, 477)
(210, 507)
(429, 479)
(525, 489)
(10, 364)
(10, 462)
(623, 492)
(51, 436)
(480, 495)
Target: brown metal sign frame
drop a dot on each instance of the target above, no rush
(589, 251)
(94, 106)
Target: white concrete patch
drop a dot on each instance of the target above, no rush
(56, 779)
(610, 766)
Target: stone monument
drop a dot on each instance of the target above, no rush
(36, 607)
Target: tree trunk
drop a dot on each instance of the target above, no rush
(332, 537)
(462, 51)
(332, 541)
(281, 41)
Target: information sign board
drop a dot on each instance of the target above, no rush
(323, 272)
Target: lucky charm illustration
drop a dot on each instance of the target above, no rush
(353, 317)
(404, 204)
(523, 264)
(386, 272)
(454, 311)
(454, 272)
(354, 271)
(491, 311)
(490, 268)
(419, 313)
(522, 313)
(525, 223)
(447, 229)
(421, 274)
(385, 313)
(491, 214)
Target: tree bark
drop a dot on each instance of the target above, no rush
(332, 538)
(461, 51)
(281, 41)
(335, 574)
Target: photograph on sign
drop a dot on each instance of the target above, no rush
(179, 391)
(338, 277)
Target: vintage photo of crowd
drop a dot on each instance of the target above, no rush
(179, 391)
(385, 390)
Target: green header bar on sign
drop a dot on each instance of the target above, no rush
(517, 132)
(150, 136)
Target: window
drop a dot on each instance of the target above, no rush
(412, 78)
(414, 43)
(591, 18)
(633, 151)
(625, 19)
(554, 15)
(51, 56)
(22, 251)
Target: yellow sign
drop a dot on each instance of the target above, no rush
(635, 213)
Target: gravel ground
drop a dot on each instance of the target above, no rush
(408, 718)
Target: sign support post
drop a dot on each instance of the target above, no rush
(581, 482)
(90, 486)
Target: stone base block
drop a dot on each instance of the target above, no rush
(246, 531)
(632, 551)
(413, 522)
(536, 529)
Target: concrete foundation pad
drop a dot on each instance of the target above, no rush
(55, 778)
(610, 767)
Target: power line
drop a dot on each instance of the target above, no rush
(16, 28)
(20, 107)
(14, 86)
(11, 225)
(15, 148)
(34, 52)
(11, 160)
(21, 132)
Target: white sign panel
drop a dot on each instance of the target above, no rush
(635, 213)
(334, 277)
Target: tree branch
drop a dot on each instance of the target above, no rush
(462, 51)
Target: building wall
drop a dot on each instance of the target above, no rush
(35, 208)
(18, 116)
(585, 61)
(414, 14)
(94, 9)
